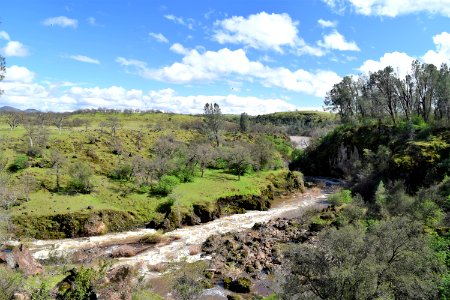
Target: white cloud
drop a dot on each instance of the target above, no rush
(4, 35)
(214, 65)
(159, 37)
(22, 92)
(337, 41)
(264, 31)
(85, 59)
(189, 23)
(326, 23)
(260, 31)
(15, 48)
(401, 62)
(62, 21)
(442, 53)
(18, 74)
(393, 8)
(179, 49)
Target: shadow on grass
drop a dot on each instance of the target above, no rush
(221, 176)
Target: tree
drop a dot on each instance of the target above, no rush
(244, 122)
(213, 121)
(80, 178)
(203, 154)
(343, 99)
(13, 119)
(2, 70)
(56, 162)
(164, 150)
(239, 159)
(389, 260)
(114, 124)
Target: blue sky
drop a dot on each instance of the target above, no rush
(256, 56)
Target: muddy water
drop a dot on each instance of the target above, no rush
(186, 240)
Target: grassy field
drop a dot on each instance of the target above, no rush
(88, 138)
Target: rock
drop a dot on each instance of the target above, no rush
(95, 226)
(124, 251)
(21, 296)
(20, 258)
(239, 285)
(234, 297)
(117, 285)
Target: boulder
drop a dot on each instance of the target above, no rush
(124, 251)
(95, 226)
(20, 258)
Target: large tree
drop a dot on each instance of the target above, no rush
(213, 121)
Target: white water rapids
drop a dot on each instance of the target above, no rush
(185, 238)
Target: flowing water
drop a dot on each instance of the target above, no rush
(184, 239)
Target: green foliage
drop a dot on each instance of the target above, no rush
(80, 178)
(19, 163)
(341, 197)
(165, 185)
(81, 287)
(123, 171)
(42, 293)
(186, 288)
(10, 282)
(389, 260)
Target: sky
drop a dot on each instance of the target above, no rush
(254, 56)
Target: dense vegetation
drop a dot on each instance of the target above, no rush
(391, 238)
(61, 171)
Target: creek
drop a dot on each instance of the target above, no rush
(183, 241)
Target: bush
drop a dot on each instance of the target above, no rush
(341, 197)
(122, 172)
(10, 282)
(20, 163)
(165, 185)
(80, 178)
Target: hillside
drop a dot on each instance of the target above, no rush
(139, 168)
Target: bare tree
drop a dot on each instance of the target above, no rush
(114, 124)
(56, 162)
(13, 119)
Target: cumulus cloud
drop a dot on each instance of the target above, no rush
(85, 59)
(15, 48)
(400, 61)
(22, 92)
(224, 63)
(442, 53)
(158, 37)
(326, 23)
(4, 35)
(61, 21)
(392, 8)
(337, 41)
(263, 31)
(18, 74)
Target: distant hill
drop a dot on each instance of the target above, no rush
(9, 109)
(13, 109)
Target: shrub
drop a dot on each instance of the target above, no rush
(165, 185)
(20, 163)
(122, 172)
(80, 178)
(10, 282)
(341, 197)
